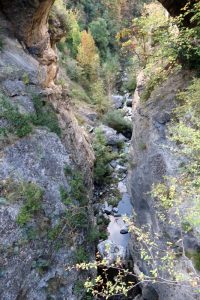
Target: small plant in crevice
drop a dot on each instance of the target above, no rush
(45, 115)
(33, 196)
(21, 124)
(18, 123)
(142, 146)
(81, 255)
(75, 216)
(41, 265)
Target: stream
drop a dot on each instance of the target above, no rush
(116, 244)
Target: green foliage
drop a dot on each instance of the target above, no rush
(68, 170)
(164, 194)
(157, 78)
(73, 39)
(59, 15)
(110, 70)
(19, 124)
(45, 115)
(100, 34)
(54, 232)
(79, 94)
(99, 99)
(103, 155)
(81, 255)
(33, 196)
(93, 235)
(88, 57)
(78, 190)
(195, 257)
(186, 133)
(25, 78)
(115, 119)
(187, 43)
(72, 69)
(65, 197)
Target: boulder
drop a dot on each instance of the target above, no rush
(107, 209)
(111, 136)
(121, 169)
(115, 210)
(118, 101)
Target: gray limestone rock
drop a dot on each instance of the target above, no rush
(118, 101)
(14, 87)
(111, 136)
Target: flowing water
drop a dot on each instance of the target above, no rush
(116, 223)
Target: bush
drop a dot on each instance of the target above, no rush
(58, 15)
(33, 199)
(79, 94)
(81, 255)
(18, 124)
(99, 97)
(115, 119)
(45, 116)
(103, 155)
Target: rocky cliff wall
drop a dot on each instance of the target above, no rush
(151, 159)
(36, 241)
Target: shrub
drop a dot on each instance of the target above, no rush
(65, 197)
(98, 96)
(116, 120)
(58, 15)
(103, 155)
(81, 255)
(187, 44)
(78, 190)
(93, 235)
(33, 200)
(155, 79)
(19, 124)
(79, 94)
(45, 116)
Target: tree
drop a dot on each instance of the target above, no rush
(100, 33)
(88, 56)
(74, 37)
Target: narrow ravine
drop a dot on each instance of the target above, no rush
(118, 235)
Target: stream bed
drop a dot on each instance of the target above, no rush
(116, 223)
(116, 245)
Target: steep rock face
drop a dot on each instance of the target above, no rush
(151, 158)
(34, 257)
(29, 21)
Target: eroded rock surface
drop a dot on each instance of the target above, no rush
(34, 257)
(151, 158)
